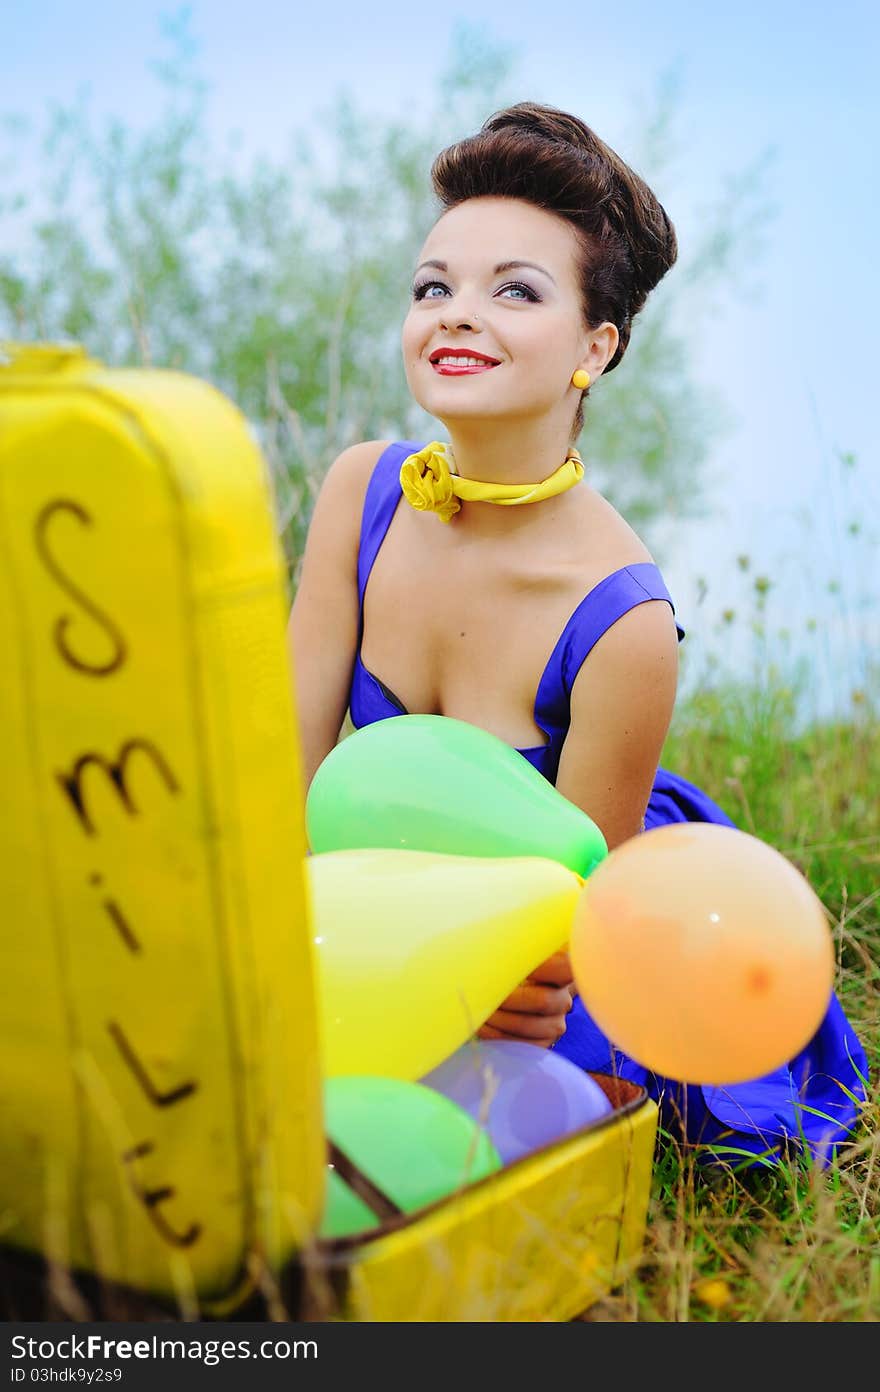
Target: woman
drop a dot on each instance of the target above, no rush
(509, 593)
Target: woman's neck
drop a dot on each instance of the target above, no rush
(511, 452)
(507, 452)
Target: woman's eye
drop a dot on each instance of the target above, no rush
(518, 285)
(420, 292)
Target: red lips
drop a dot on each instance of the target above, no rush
(464, 369)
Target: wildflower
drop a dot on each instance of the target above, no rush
(714, 1293)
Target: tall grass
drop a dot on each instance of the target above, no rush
(797, 1243)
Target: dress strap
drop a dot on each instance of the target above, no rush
(380, 503)
(603, 606)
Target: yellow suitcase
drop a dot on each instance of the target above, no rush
(162, 1127)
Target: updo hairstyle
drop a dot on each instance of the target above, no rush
(549, 158)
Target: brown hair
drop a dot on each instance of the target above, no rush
(549, 158)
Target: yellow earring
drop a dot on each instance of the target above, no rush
(580, 379)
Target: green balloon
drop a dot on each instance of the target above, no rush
(412, 1143)
(344, 1212)
(431, 783)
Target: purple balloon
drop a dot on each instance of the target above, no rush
(525, 1096)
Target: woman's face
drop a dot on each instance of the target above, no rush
(526, 318)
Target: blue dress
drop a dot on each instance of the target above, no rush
(814, 1098)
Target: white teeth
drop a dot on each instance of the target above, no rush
(456, 360)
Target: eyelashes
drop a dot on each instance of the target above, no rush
(419, 289)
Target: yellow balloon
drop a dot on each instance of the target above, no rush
(703, 953)
(415, 949)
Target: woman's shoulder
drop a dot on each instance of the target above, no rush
(610, 543)
(357, 462)
(611, 566)
(345, 483)
(335, 522)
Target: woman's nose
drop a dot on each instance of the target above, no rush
(461, 320)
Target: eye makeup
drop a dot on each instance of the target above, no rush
(420, 287)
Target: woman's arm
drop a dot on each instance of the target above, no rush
(322, 631)
(621, 710)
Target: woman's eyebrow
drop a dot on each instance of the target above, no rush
(512, 266)
(501, 267)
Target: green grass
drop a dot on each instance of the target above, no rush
(796, 1243)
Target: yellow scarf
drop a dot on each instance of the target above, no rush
(429, 485)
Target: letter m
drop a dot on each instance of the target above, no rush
(72, 783)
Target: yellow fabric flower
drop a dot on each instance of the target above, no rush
(426, 480)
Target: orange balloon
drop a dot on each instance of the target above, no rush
(703, 953)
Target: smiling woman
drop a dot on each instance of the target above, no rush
(510, 593)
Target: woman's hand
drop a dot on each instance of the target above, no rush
(535, 1012)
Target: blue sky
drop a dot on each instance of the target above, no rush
(796, 363)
